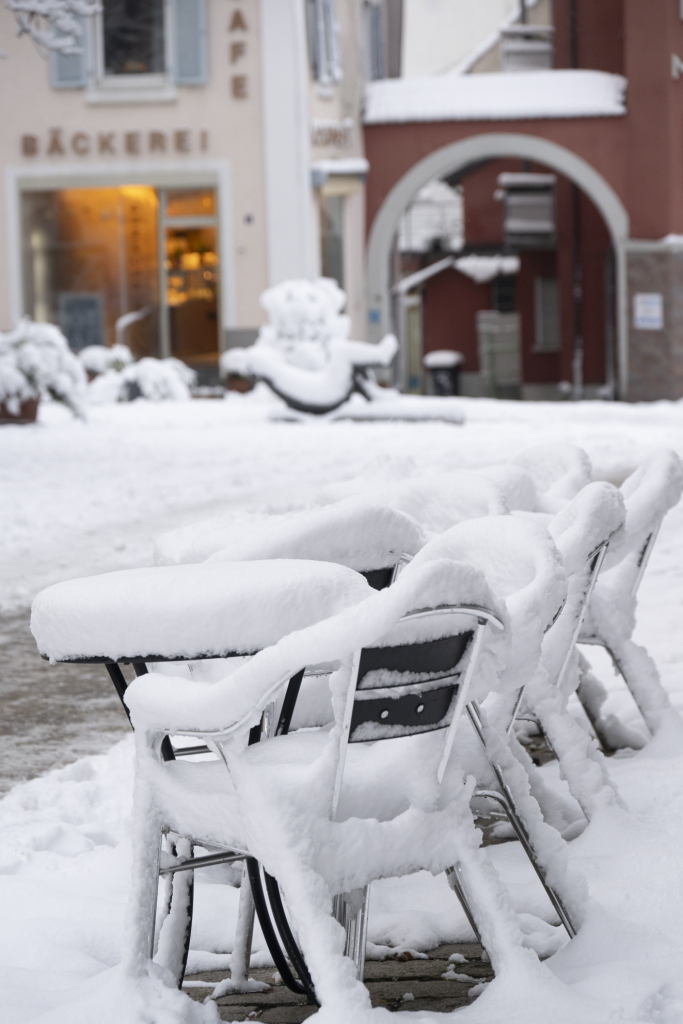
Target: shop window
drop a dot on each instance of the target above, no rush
(332, 237)
(547, 314)
(323, 46)
(92, 255)
(187, 202)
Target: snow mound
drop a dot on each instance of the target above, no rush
(145, 611)
(362, 537)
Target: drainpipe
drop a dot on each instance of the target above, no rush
(577, 298)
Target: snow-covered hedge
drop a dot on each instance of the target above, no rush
(156, 379)
(36, 362)
(98, 359)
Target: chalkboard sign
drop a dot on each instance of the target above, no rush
(80, 317)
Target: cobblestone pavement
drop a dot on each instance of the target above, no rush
(391, 984)
(51, 714)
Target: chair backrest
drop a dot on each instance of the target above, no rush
(522, 566)
(408, 689)
(649, 493)
(582, 531)
(559, 471)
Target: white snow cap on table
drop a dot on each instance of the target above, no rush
(170, 703)
(522, 566)
(183, 611)
(559, 471)
(352, 533)
(533, 94)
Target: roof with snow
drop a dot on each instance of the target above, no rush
(497, 96)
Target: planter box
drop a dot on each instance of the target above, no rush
(28, 411)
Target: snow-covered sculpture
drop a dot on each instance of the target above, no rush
(304, 354)
(53, 24)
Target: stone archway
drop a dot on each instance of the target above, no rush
(458, 155)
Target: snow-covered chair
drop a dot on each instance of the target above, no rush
(558, 470)
(327, 811)
(582, 531)
(522, 565)
(649, 493)
(368, 537)
(198, 614)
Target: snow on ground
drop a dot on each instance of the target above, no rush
(83, 498)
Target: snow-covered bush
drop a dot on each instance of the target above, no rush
(304, 354)
(98, 359)
(36, 362)
(156, 379)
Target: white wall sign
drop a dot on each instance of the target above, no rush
(648, 311)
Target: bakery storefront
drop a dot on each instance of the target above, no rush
(137, 263)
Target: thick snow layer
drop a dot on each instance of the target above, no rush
(145, 611)
(90, 498)
(498, 96)
(362, 536)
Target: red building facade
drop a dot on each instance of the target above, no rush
(618, 206)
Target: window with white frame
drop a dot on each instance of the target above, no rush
(323, 41)
(137, 46)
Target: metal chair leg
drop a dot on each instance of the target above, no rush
(506, 802)
(351, 909)
(176, 929)
(244, 934)
(453, 879)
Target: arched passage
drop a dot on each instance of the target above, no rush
(457, 155)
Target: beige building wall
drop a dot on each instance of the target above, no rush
(215, 134)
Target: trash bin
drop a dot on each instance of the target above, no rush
(444, 366)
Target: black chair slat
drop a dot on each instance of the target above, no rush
(425, 711)
(379, 579)
(431, 656)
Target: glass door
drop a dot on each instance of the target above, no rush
(190, 276)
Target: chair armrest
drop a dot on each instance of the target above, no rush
(164, 704)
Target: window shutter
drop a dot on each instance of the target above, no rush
(190, 42)
(70, 70)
